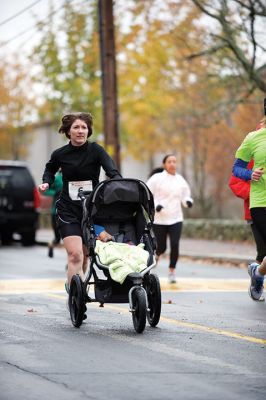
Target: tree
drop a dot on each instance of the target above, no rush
(149, 83)
(235, 39)
(180, 83)
(69, 63)
(170, 101)
(17, 110)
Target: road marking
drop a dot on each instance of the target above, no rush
(200, 327)
(205, 285)
(214, 330)
(18, 286)
(183, 285)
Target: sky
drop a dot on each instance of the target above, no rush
(18, 18)
(18, 33)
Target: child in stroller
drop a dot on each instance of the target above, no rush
(125, 208)
(101, 233)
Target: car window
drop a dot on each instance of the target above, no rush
(14, 177)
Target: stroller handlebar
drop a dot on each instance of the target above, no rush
(82, 194)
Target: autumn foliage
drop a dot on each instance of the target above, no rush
(179, 89)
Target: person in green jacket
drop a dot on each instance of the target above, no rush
(54, 191)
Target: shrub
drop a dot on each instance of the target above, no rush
(217, 229)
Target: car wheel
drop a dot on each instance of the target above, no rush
(6, 238)
(28, 238)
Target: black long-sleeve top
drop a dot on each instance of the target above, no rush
(79, 163)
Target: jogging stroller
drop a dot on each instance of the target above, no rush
(125, 208)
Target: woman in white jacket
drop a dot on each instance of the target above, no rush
(170, 191)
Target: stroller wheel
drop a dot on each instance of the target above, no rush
(76, 303)
(139, 309)
(154, 299)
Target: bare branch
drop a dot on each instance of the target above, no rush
(204, 9)
(252, 34)
(262, 68)
(231, 36)
(261, 47)
(209, 51)
(257, 5)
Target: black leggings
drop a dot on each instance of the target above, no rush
(258, 215)
(260, 243)
(174, 231)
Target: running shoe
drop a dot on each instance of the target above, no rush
(256, 283)
(171, 277)
(262, 298)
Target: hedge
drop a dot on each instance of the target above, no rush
(217, 229)
(211, 229)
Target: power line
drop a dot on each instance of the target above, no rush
(31, 27)
(19, 13)
(34, 26)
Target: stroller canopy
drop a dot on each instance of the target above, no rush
(120, 191)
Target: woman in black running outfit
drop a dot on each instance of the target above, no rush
(80, 162)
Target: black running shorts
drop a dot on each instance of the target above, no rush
(69, 218)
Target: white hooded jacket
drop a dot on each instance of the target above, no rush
(171, 192)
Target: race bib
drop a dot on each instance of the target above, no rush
(73, 188)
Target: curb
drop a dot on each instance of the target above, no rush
(220, 258)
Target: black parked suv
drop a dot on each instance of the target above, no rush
(19, 203)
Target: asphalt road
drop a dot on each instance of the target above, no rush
(210, 342)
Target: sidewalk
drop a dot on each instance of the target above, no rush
(218, 251)
(214, 250)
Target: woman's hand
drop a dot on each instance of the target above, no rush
(43, 187)
(256, 174)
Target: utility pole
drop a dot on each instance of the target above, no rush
(109, 85)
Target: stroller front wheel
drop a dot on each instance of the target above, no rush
(76, 301)
(154, 299)
(139, 309)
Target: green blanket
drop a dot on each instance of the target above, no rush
(122, 258)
